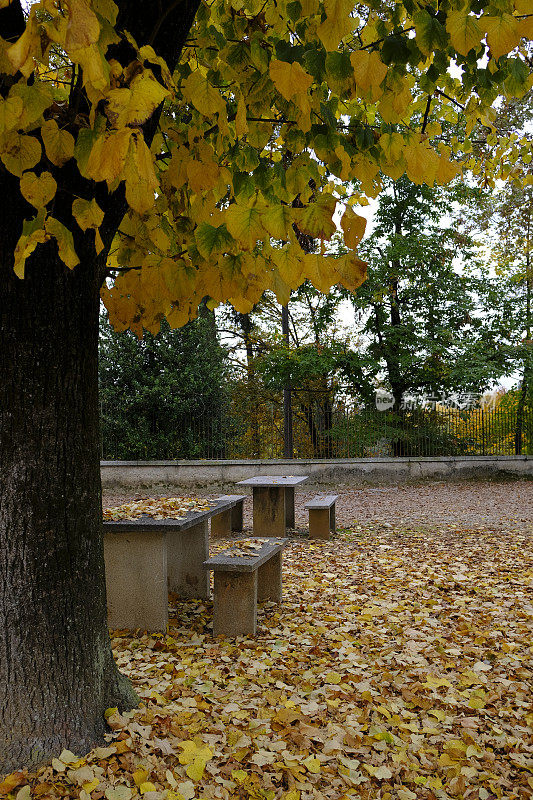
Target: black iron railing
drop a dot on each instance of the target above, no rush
(320, 430)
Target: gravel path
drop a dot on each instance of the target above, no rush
(484, 504)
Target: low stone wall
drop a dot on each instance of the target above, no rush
(347, 472)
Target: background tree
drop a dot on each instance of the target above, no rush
(164, 396)
(504, 217)
(122, 151)
(429, 320)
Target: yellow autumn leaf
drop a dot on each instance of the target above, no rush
(108, 156)
(88, 214)
(202, 175)
(316, 218)
(244, 224)
(312, 764)
(433, 682)
(369, 71)
(204, 97)
(353, 227)
(338, 23)
(140, 775)
(277, 220)
(65, 242)
(333, 677)
(464, 29)
(289, 79)
(20, 152)
(139, 174)
(10, 112)
(23, 53)
(25, 247)
(422, 163)
(135, 104)
(350, 271)
(89, 786)
(147, 787)
(38, 189)
(395, 103)
(503, 33)
(83, 27)
(58, 144)
(191, 751)
(118, 793)
(195, 770)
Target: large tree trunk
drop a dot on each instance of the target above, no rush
(57, 674)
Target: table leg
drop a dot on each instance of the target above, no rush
(235, 604)
(236, 517)
(269, 580)
(136, 580)
(187, 551)
(319, 523)
(289, 506)
(221, 524)
(269, 511)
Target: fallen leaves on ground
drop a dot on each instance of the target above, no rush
(399, 666)
(157, 508)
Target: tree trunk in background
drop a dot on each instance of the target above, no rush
(245, 321)
(57, 674)
(288, 443)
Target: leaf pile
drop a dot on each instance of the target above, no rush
(245, 547)
(160, 508)
(398, 667)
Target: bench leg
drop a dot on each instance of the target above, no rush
(187, 551)
(269, 511)
(136, 580)
(289, 507)
(332, 525)
(235, 604)
(236, 517)
(319, 523)
(269, 580)
(221, 524)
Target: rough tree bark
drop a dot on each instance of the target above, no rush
(57, 674)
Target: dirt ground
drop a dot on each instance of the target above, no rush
(486, 504)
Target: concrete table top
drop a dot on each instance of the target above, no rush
(225, 562)
(272, 481)
(190, 520)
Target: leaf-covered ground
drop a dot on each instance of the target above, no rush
(400, 665)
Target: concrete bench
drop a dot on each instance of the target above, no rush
(230, 520)
(241, 580)
(147, 557)
(321, 516)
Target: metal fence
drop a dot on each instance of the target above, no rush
(254, 429)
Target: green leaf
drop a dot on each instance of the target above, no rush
(430, 34)
(210, 240)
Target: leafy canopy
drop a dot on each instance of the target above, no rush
(271, 107)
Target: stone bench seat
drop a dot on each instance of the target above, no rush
(321, 516)
(230, 520)
(244, 576)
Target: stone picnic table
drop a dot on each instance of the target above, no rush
(273, 502)
(145, 558)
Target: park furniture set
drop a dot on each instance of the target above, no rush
(146, 557)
